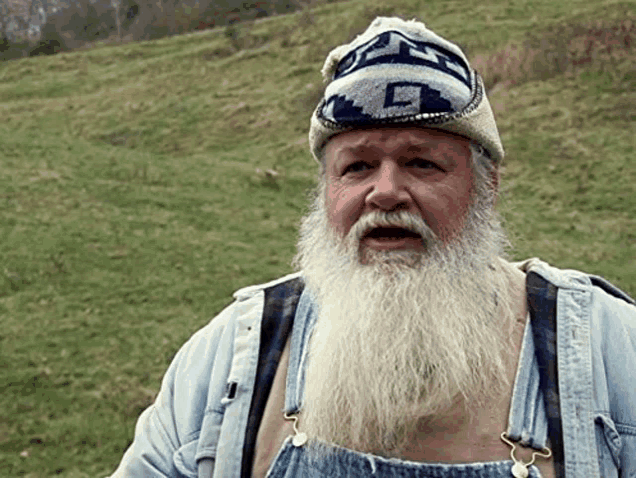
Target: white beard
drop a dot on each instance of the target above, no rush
(406, 335)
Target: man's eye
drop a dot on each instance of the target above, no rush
(419, 163)
(423, 163)
(356, 167)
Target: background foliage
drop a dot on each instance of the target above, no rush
(142, 183)
(45, 27)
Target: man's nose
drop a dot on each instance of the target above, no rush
(389, 189)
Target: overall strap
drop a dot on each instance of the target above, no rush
(542, 304)
(279, 310)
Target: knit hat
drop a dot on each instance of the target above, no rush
(400, 72)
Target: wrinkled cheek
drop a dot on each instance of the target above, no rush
(449, 223)
(342, 210)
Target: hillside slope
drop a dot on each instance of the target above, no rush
(134, 196)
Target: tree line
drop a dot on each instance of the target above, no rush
(44, 27)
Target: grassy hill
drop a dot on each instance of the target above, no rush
(134, 197)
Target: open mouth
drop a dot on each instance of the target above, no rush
(391, 233)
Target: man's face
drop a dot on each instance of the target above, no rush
(421, 171)
(404, 326)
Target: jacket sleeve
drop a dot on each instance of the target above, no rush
(613, 337)
(174, 419)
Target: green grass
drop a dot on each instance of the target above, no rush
(133, 202)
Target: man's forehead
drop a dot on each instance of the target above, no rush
(395, 138)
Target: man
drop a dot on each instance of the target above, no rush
(405, 345)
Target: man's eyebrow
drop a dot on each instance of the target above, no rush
(418, 148)
(430, 147)
(355, 148)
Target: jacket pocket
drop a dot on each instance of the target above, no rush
(184, 459)
(609, 442)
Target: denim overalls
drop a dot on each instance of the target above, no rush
(527, 422)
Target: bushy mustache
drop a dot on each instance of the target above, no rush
(400, 219)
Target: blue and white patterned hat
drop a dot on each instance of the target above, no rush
(401, 72)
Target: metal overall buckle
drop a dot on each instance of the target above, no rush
(520, 469)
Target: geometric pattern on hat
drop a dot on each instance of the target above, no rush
(401, 72)
(393, 47)
(394, 75)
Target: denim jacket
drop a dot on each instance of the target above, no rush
(202, 408)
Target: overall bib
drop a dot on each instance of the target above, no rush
(528, 423)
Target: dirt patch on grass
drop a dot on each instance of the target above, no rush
(561, 49)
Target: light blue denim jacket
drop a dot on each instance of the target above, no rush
(193, 419)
